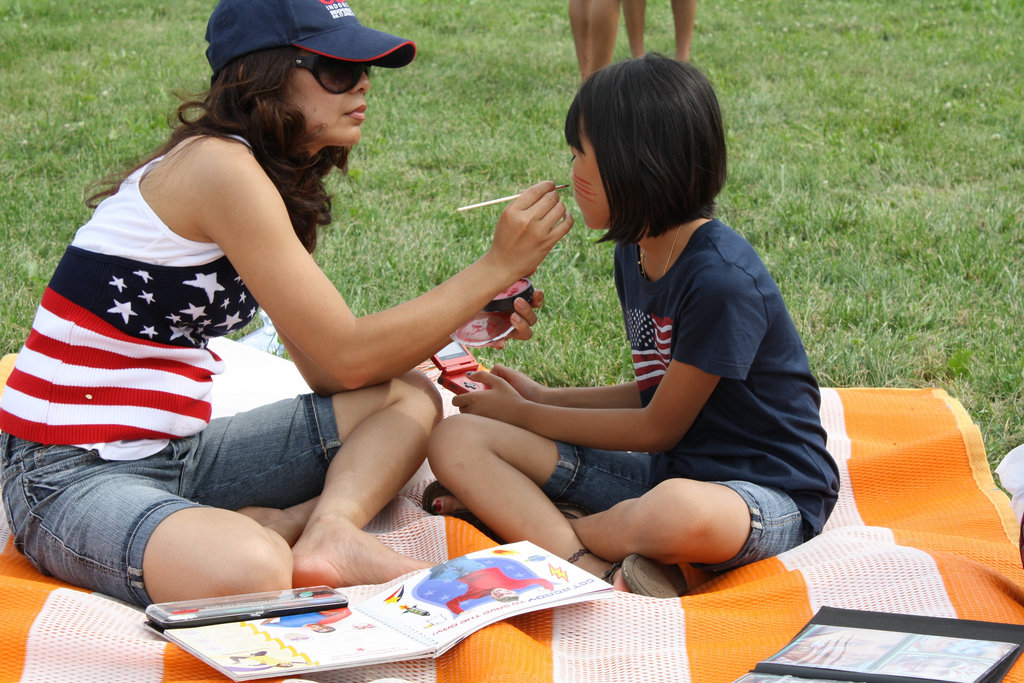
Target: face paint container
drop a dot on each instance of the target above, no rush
(494, 322)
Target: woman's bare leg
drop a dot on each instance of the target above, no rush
(203, 552)
(288, 523)
(384, 432)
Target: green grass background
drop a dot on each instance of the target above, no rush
(876, 163)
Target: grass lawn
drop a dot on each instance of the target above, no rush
(877, 164)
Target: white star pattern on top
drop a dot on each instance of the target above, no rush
(196, 312)
(207, 282)
(122, 309)
(138, 313)
(181, 332)
(230, 321)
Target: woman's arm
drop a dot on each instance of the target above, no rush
(681, 395)
(232, 202)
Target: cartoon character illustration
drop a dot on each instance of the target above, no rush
(463, 580)
(319, 622)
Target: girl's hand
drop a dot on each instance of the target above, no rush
(494, 402)
(524, 318)
(528, 228)
(526, 387)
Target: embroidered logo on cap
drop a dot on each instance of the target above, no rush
(337, 9)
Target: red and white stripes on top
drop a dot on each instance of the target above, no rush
(118, 351)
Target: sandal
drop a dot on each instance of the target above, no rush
(647, 577)
(572, 511)
(435, 490)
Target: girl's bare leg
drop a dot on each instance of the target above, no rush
(496, 471)
(678, 521)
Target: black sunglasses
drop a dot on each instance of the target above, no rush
(334, 75)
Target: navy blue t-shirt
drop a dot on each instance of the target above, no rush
(719, 309)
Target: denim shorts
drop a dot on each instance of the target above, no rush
(597, 479)
(87, 521)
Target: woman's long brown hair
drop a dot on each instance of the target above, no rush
(247, 98)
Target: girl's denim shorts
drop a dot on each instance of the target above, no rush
(86, 520)
(597, 479)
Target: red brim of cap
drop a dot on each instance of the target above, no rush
(357, 43)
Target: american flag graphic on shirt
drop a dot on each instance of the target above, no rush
(650, 338)
(118, 350)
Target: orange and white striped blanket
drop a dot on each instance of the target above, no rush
(920, 528)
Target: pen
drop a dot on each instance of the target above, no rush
(500, 200)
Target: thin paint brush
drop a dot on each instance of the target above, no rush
(499, 201)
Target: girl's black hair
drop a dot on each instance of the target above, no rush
(657, 135)
(247, 98)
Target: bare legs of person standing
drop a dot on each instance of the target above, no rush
(579, 21)
(684, 15)
(595, 24)
(633, 12)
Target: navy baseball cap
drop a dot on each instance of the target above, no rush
(238, 27)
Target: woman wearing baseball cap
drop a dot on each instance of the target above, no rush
(114, 476)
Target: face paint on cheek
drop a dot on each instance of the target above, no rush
(583, 189)
(590, 196)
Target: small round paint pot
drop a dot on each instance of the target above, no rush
(494, 322)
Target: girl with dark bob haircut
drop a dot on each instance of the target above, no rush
(656, 126)
(714, 454)
(114, 476)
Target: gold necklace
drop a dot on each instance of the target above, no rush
(643, 257)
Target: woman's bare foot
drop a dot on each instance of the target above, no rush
(289, 523)
(334, 552)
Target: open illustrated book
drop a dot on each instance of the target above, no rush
(874, 647)
(423, 616)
